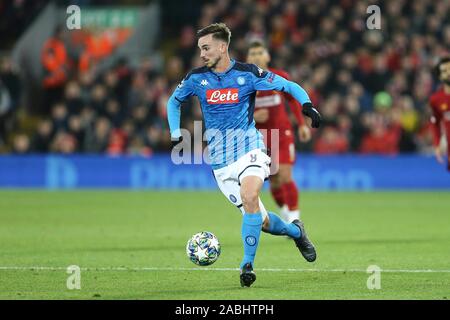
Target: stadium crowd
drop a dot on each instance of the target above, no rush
(371, 86)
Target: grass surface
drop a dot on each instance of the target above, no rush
(131, 245)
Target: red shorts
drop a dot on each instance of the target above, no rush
(285, 153)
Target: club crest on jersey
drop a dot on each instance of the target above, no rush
(444, 107)
(222, 96)
(241, 81)
(204, 82)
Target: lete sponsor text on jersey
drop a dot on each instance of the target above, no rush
(222, 96)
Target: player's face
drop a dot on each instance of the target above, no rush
(211, 50)
(258, 56)
(444, 70)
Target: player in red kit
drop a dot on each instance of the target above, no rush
(440, 106)
(270, 114)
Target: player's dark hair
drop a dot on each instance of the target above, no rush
(219, 31)
(437, 68)
(257, 44)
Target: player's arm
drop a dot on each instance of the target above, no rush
(304, 133)
(183, 91)
(261, 115)
(294, 106)
(264, 80)
(436, 131)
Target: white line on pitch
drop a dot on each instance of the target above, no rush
(43, 268)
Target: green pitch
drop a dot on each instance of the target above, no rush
(131, 245)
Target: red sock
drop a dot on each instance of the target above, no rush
(291, 195)
(279, 196)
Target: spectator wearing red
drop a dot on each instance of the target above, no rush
(331, 141)
(55, 61)
(381, 138)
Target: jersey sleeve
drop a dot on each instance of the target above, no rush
(183, 91)
(267, 80)
(294, 106)
(435, 122)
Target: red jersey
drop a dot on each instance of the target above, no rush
(440, 106)
(274, 101)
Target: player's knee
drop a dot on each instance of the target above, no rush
(275, 181)
(285, 175)
(250, 196)
(250, 200)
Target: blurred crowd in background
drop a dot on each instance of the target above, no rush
(371, 86)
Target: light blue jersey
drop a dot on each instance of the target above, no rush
(228, 101)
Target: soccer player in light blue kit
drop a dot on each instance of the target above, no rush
(226, 90)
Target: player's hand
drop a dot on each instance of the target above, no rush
(439, 154)
(304, 133)
(312, 113)
(261, 115)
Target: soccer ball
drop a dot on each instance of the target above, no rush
(203, 248)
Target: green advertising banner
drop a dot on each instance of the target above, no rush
(110, 17)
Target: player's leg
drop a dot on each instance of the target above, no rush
(251, 179)
(276, 190)
(253, 170)
(252, 219)
(252, 222)
(285, 155)
(284, 182)
(274, 225)
(291, 214)
(231, 189)
(283, 188)
(290, 211)
(255, 219)
(228, 183)
(252, 205)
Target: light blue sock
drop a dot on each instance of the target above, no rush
(278, 227)
(251, 230)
